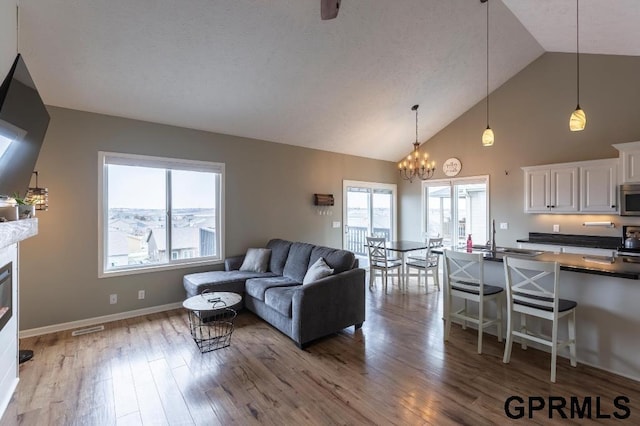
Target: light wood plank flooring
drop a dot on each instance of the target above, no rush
(395, 370)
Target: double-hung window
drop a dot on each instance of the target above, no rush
(158, 213)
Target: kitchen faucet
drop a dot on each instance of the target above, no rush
(492, 242)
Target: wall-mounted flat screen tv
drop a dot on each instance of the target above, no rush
(23, 124)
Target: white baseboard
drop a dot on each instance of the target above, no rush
(97, 320)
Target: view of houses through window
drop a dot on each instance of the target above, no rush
(455, 209)
(158, 212)
(369, 210)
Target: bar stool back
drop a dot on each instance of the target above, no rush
(464, 278)
(528, 294)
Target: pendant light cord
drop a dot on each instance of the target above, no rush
(17, 28)
(416, 123)
(487, 63)
(578, 52)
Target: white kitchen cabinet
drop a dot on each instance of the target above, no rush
(588, 187)
(598, 186)
(551, 189)
(630, 161)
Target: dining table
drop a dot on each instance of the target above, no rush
(401, 248)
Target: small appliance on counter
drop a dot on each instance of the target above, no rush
(630, 241)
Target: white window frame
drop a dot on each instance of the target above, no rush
(105, 158)
(451, 182)
(370, 185)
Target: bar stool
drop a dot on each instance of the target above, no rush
(464, 278)
(526, 295)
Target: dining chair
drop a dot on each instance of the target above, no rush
(419, 255)
(464, 279)
(378, 261)
(429, 263)
(532, 290)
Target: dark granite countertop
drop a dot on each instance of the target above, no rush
(619, 267)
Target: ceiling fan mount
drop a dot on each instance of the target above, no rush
(329, 9)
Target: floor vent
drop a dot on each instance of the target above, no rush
(87, 330)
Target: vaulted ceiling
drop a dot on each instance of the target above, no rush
(273, 70)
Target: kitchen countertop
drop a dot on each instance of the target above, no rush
(621, 266)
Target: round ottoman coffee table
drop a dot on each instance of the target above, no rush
(211, 319)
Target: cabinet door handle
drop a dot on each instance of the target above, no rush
(548, 206)
(613, 206)
(553, 207)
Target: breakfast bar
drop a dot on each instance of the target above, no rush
(607, 290)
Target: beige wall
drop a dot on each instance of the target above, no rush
(269, 186)
(269, 189)
(8, 37)
(530, 117)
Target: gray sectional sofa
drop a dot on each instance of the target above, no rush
(304, 312)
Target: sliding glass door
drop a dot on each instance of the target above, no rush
(455, 208)
(369, 210)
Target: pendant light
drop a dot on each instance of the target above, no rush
(578, 119)
(487, 135)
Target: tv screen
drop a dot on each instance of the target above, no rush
(23, 124)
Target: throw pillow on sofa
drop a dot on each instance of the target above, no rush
(318, 270)
(256, 260)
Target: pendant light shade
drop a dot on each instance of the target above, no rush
(487, 135)
(578, 119)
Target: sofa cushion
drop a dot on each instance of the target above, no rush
(219, 281)
(280, 299)
(298, 261)
(256, 260)
(256, 287)
(338, 260)
(279, 252)
(318, 270)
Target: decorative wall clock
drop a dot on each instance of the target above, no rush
(452, 166)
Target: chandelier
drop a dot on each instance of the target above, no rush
(415, 166)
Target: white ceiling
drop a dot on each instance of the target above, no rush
(273, 70)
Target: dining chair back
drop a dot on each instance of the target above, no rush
(464, 279)
(379, 261)
(429, 263)
(532, 290)
(419, 255)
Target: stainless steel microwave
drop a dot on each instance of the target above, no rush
(630, 200)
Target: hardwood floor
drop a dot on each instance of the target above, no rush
(395, 370)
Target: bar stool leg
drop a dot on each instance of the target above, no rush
(572, 339)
